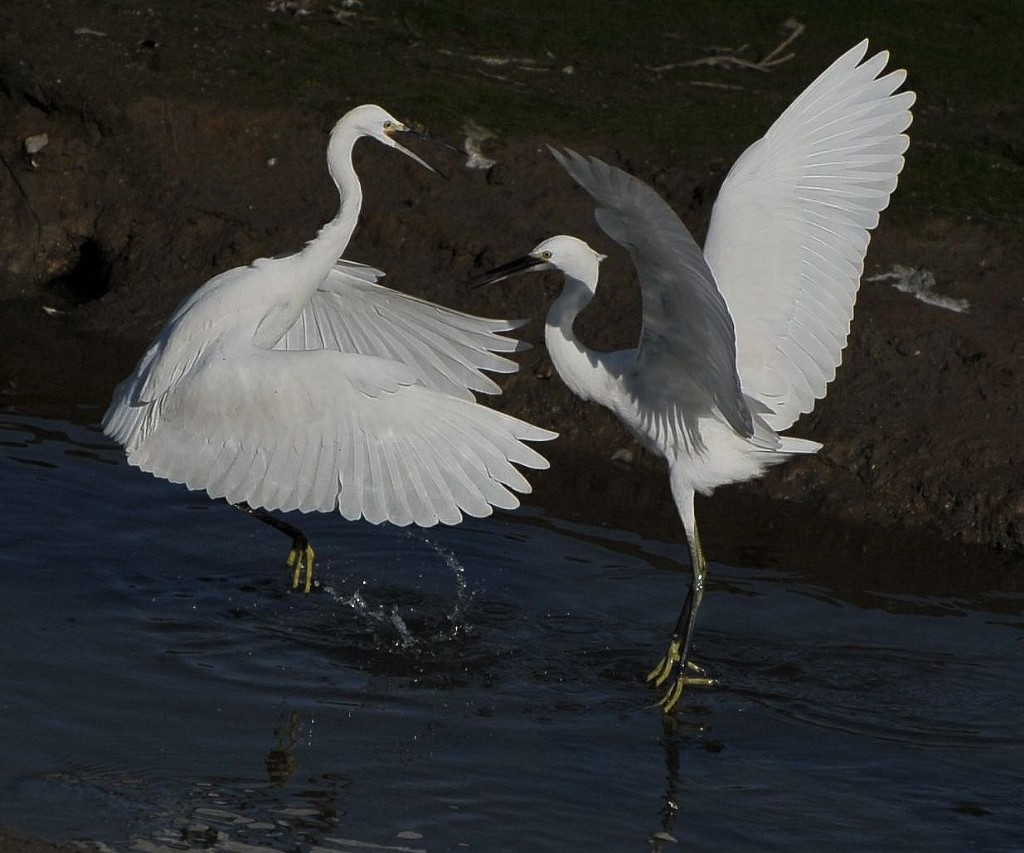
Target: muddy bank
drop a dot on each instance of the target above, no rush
(154, 179)
(12, 842)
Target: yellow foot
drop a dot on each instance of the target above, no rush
(672, 663)
(300, 561)
(663, 670)
(671, 697)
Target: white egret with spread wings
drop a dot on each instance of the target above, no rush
(741, 339)
(299, 383)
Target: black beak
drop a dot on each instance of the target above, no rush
(417, 133)
(527, 262)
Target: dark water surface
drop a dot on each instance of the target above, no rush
(473, 688)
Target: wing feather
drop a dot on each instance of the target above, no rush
(790, 228)
(323, 430)
(686, 360)
(373, 508)
(405, 460)
(449, 350)
(486, 471)
(447, 505)
(307, 453)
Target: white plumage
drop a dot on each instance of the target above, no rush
(350, 312)
(298, 382)
(738, 340)
(789, 229)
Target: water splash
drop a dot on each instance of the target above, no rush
(378, 616)
(456, 620)
(390, 618)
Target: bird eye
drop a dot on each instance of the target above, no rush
(389, 125)
(545, 256)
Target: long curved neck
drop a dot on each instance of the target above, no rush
(580, 368)
(300, 275)
(323, 251)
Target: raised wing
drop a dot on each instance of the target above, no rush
(686, 360)
(789, 229)
(447, 349)
(326, 431)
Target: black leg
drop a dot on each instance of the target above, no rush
(676, 661)
(300, 558)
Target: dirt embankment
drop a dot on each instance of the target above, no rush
(138, 198)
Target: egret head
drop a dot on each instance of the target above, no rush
(376, 123)
(572, 256)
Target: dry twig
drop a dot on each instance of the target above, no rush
(732, 59)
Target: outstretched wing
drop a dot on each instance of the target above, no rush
(323, 430)
(789, 229)
(447, 349)
(686, 360)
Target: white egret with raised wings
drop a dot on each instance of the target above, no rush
(299, 383)
(739, 340)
